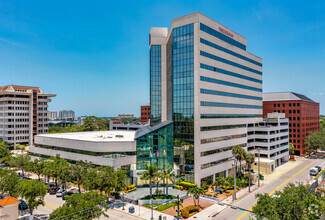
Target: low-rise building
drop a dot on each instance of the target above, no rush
(110, 148)
(269, 139)
(9, 208)
(118, 125)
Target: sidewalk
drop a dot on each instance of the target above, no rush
(281, 170)
(143, 212)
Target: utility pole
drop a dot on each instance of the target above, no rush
(151, 209)
(235, 175)
(178, 207)
(258, 149)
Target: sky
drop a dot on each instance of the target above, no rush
(94, 55)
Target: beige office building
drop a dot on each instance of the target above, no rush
(23, 113)
(203, 79)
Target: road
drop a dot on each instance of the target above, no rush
(298, 174)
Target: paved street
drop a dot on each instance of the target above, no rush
(299, 173)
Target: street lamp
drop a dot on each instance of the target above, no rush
(123, 201)
(178, 207)
(249, 170)
(235, 175)
(258, 149)
(152, 209)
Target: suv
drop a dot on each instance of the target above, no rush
(22, 205)
(319, 168)
(314, 171)
(60, 192)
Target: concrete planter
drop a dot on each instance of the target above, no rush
(156, 201)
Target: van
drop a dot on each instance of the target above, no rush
(314, 171)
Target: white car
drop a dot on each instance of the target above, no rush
(60, 193)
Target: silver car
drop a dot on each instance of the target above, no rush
(60, 193)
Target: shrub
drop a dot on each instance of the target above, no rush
(187, 184)
(179, 187)
(189, 211)
(130, 188)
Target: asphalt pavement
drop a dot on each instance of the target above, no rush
(299, 173)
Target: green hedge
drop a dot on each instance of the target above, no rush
(188, 210)
(187, 185)
(158, 197)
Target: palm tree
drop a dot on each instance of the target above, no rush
(240, 154)
(192, 192)
(178, 204)
(79, 170)
(150, 173)
(167, 175)
(21, 162)
(106, 178)
(119, 177)
(249, 158)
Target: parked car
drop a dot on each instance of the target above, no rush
(53, 191)
(22, 205)
(65, 194)
(319, 168)
(60, 192)
(314, 171)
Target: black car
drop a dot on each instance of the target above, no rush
(319, 168)
(53, 190)
(65, 194)
(22, 205)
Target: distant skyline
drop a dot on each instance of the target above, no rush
(95, 54)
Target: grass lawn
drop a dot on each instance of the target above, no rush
(160, 207)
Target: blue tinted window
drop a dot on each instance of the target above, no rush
(229, 51)
(221, 82)
(229, 105)
(229, 73)
(155, 84)
(211, 56)
(213, 92)
(221, 36)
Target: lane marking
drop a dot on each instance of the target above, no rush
(282, 184)
(277, 189)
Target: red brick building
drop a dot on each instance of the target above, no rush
(303, 114)
(145, 113)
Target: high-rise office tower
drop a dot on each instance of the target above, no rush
(23, 113)
(204, 82)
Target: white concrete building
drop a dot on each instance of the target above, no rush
(23, 113)
(66, 115)
(117, 125)
(271, 137)
(110, 148)
(52, 115)
(204, 80)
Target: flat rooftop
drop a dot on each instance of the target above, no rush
(95, 136)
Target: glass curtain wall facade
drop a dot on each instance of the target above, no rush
(156, 147)
(183, 99)
(155, 84)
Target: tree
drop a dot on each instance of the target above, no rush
(151, 171)
(119, 179)
(295, 202)
(33, 192)
(291, 149)
(93, 123)
(195, 192)
(240, 154)
(8, 182)
(167, 174)
(20, 147)
(315, 141)
(249, 158)
(106, 176)
(84, 206)
(79, 170)
(20, 161)
(5, 155)
(37, 167)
